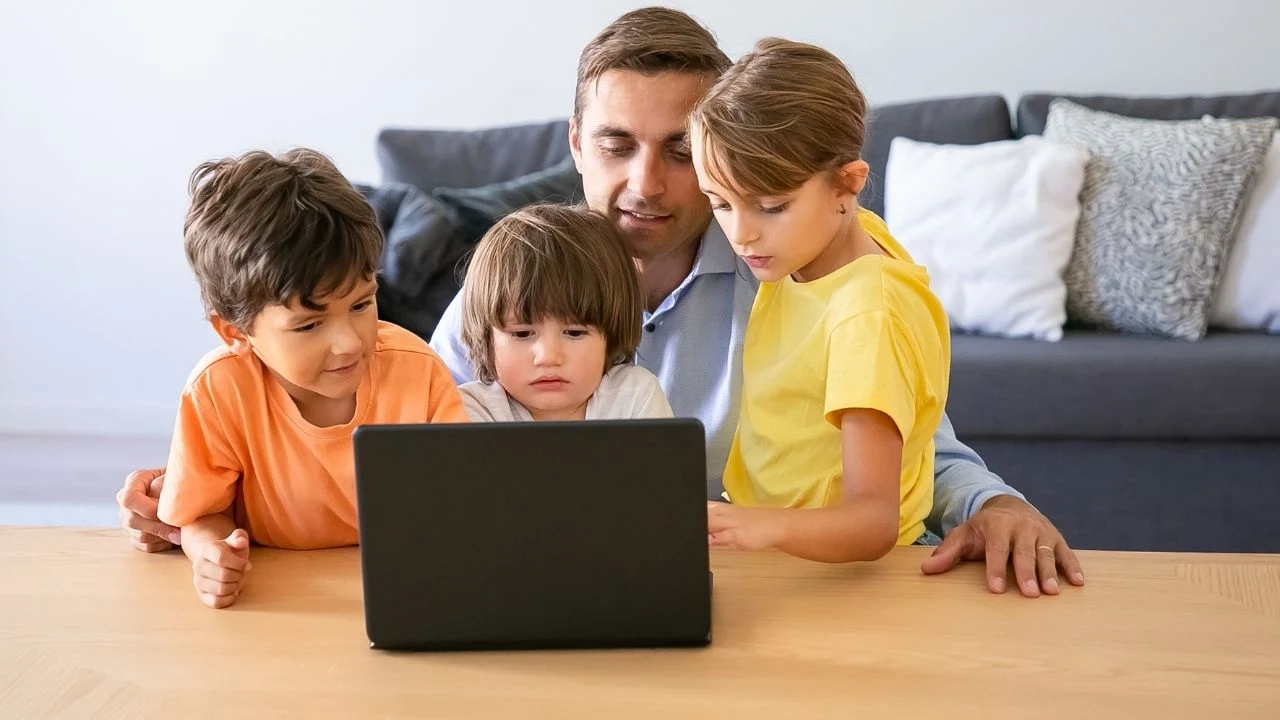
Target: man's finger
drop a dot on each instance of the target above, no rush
(948, 553)
(1047, 569)
(1024, 564)
(1069, 563)
(997, 563)
(155, 486)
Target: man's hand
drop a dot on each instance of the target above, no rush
(219, 571)
(138, 504)
(1008, 528)
(744, 528)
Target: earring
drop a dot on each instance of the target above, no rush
(843, 210)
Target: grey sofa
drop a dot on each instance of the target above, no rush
(1125, 442)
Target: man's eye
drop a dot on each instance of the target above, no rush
(614, 149)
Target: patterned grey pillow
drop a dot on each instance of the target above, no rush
(1159, 209)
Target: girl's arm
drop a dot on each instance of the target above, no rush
(863, 527)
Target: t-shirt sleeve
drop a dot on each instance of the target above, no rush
(871, 366)
(446, 403)
(650, 400)
(203, 471)
(473, 402)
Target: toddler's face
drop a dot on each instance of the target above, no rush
(551, 367)
(320, 354)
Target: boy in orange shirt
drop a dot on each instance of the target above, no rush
(285, 252)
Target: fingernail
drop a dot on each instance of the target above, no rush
(1079, 576)
(248, 567)
(1051, 584)
(175, 537)
(999, 585)
(1031, 587)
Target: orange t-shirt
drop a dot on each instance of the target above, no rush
(240, 439)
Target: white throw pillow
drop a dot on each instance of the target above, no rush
(994, 224)
(1249, 295)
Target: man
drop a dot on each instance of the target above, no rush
(637, 81)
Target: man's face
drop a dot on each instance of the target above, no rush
(632, 149)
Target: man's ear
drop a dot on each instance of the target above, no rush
(575, 144)
(853, 176)
(230, 334)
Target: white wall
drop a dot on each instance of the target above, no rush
(105, 107)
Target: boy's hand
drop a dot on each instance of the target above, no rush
(220, 569)
(744, 528)
(138, 504)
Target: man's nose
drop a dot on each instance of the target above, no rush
(647, 176)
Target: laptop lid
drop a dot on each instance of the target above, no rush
(534, 535)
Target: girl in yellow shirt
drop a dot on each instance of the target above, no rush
(847, 353)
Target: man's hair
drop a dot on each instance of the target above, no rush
(551, 261)
(264, 230)
(785, 112)
(649, 41)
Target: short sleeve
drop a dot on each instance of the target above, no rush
(203, 471)
(473, 403)
(650, 400)
(871, 366)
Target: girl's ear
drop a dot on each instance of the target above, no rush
(230, 334)
(852, 176)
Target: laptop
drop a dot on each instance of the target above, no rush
(477, 536)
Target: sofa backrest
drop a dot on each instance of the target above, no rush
(1033, 109)
(430, 159)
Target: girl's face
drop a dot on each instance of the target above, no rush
(550, 366)
(798, 234)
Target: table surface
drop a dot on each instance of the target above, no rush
(92, 628)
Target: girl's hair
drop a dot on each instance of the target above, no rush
(548, 260)
(783, 113)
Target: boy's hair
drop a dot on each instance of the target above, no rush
(264, 230)
(550, 260)
(783, 113)
(649, 41)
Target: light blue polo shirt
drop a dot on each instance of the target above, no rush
(693, 343)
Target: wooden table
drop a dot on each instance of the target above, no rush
(91, 628)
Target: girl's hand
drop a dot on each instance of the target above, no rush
(744, 528)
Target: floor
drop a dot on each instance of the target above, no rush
(69, 481)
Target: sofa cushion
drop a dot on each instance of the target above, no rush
(429, 159)
(1110, 386)
(1033, 108)
(1160, 206)
(956, 121)
(424, 248)
(480, 207)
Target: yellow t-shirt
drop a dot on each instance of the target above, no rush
(870, 335)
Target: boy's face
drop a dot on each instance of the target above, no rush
(551, 367)
(324, 354)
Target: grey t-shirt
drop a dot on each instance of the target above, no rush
(626, 392)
